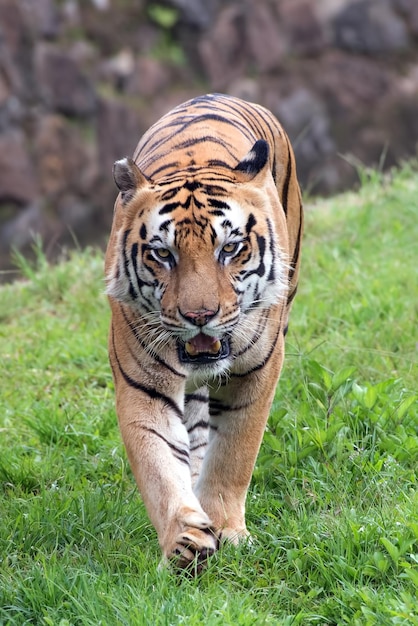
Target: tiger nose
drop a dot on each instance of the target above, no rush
(199, 318)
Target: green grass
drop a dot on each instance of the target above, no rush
(333, 504)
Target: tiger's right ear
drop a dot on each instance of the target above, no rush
(128, 178)
(254, 162)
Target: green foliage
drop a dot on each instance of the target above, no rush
(164, 16)
(167, 48)
(333, 503)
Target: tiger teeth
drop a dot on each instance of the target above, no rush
(216, 346)
(190, 349)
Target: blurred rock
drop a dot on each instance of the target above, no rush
(265, 37)
(64, 86)
(306, 121)
(352, 84)
(409, 10)
(300, 22)
(18, 182)
(371, 27)
(16, 47)
(118, 69)
(118, 132)
(149, 78)
(65, 163)
(197, 12)
(221, 49)
(43, 16)
(19, 231)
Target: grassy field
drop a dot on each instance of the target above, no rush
(333, 506)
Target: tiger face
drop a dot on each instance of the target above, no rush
(197, 257)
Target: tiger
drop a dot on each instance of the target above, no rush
(201, 268)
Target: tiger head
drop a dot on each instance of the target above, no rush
(200, 251)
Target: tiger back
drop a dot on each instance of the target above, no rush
(201, 268)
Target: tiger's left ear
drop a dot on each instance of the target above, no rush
(128, 178)
(254, 162)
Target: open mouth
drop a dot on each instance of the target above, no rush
(203, 349)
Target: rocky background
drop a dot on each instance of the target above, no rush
(80, 81)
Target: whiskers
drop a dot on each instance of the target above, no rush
(152, 334)
(253, 323)
(248, 331)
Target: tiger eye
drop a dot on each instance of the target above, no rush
(163, 253)
(230, 248)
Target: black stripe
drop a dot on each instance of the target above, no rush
(216, 190)
(216, 407)
(296, 252)
(291, 295)
(132, 292)
(199, 445)
(191, 185)
(286, 184)
(271, 123)
(250, 223)
(170, 193)
(274, 169)
(237, 108)
(200, 424)
(134, 259)
(264, 362)
(181, 455)
(272, 273)
(167, 166)
(164, 225)
(261, 269)
(218, 204)
(237, 123)
(143, 232)
(218, 163)
(193, 141)
(149, 391)
(169, 207)
(196, 397)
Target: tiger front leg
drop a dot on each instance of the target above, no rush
(239, 412)
(157, 445)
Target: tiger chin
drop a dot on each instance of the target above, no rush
(201, 269)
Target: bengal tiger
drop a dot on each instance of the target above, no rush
(201, 270)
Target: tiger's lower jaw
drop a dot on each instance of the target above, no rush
(218, 350)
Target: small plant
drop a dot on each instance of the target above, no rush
(166, 17)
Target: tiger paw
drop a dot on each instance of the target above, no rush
(191, 551)
(189, 541)
(233, 535)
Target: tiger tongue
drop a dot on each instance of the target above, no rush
(202, 343)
